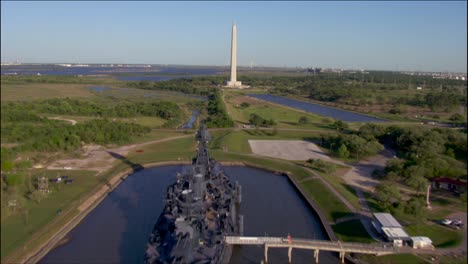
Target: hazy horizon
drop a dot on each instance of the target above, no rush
(392, 36)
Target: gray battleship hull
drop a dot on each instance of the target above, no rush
(201, 208)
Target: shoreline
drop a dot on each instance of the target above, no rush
(96, 198)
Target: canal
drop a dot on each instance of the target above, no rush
(318, 109)
(117, 230)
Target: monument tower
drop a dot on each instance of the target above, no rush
(233, 82)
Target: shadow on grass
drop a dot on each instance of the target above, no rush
(338, 215)
(352, 231)
(134, 166)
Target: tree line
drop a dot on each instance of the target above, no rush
(217, 114)
(53, 135)
(69, 106)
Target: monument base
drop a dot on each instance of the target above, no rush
(235, 84)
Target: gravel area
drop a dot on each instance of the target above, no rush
(287, 149)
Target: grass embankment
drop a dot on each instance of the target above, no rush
(30, 216)
(335, 180)
(352, 231)
(285, 117)
(327, 201)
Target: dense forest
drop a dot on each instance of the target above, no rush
(197, 85)
(423, 153)
(67, 106)
(53, 135)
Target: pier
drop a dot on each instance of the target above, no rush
(342, 248)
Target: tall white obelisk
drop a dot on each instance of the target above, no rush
(233, 82)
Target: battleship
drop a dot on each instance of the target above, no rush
(201, 208)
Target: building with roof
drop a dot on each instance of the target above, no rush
(388, 227)
(421, 242)
(449, 184)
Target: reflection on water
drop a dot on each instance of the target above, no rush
(117, 230)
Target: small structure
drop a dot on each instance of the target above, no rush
(449, 184)
(421, 242)
(418, 88)
(43, 184)
(388, 226)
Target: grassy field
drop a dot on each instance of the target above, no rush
(237, 141)
(332, 207)
(441, 236)
(35, 91)
(284, 117)
(17, 227)
(352, 231)
(344, 189)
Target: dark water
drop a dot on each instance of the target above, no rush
(318, 109)
(117, 230)
(191, 121)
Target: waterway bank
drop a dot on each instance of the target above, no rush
(335, 113)
(95, 199)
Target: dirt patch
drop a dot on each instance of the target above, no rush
(99, 158)
(288, 149)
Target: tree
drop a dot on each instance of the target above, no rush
(244, 104)
(414, 206)
(343, 151)
(303, 120)
(456, 117)
(415, 178)
(387, 194)
(340, 125)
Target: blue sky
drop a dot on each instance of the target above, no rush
(423, 36)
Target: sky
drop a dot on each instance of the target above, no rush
(415, 36)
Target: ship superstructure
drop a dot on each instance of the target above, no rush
(200, 209)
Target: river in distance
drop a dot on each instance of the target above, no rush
(117, 230)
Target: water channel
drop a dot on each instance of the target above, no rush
(318, 109)
(117, 230)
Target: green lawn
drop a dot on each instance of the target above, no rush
(352, 231)
(285, 117)
(441, 236)
(18, 227)
(393, 259)
(267, 163)
(237, 141)
(332, 207)
(178, 149)
(149, 121)
(344, 189)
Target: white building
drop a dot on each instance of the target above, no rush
(421, 242)
(389, 227)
